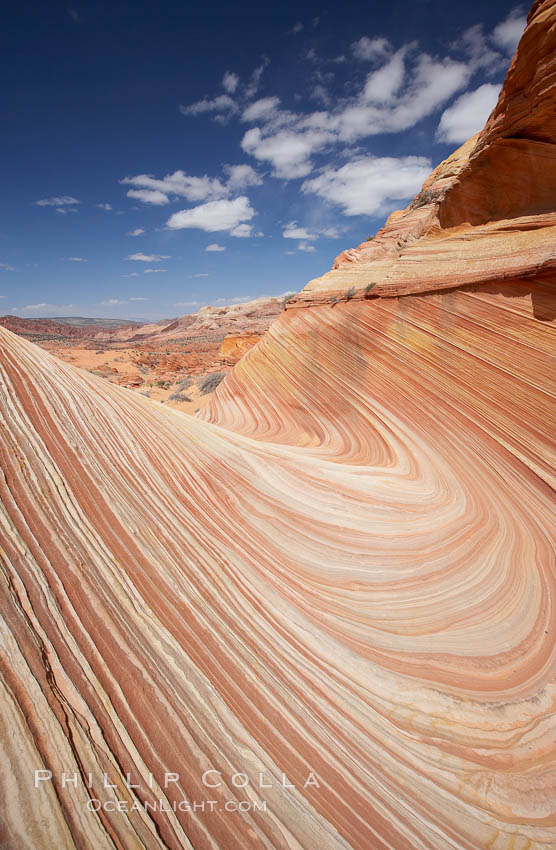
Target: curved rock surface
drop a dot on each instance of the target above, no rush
(347, 573)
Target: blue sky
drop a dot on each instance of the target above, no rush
(162, 156)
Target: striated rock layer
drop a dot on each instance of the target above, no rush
(347, 575)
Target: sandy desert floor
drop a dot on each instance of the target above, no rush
(122, 366)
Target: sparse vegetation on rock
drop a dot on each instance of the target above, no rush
(210, 382)
(178, 397)
(286, 297)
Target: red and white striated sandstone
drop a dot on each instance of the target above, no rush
(347, 571)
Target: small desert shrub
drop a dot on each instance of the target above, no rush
(349, 293)
(334, 300)
(429, 196)
(286, 297)
(210, 382)
(369, 287)
(370, 238)
(178, 397)
(162, 384)
(100, 352)
(184, 384)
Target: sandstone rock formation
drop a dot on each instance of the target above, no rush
(234, 346)
(74, 329)
(248, 316)
(156, 358)
(347, 573)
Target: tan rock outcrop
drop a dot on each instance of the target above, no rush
(234, 346)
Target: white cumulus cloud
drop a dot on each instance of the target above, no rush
(159, 191)
(480, 54)
(367, 185)
(180, 184)
(261, 109)
(241, 176)
(213, 216)
(383, 85)
(255, 80)
(468, 114)
(242, 231)
(137, 231)
(223, 107)
(427, 86)
(507, 34)
(288, 151)
(57, 201)
(214, 247)
(369, 49)
(148, 196)
(148, 258)
(402, 88)
(230, 82)
(293, 231)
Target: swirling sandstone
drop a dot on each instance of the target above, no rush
(349, 570)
